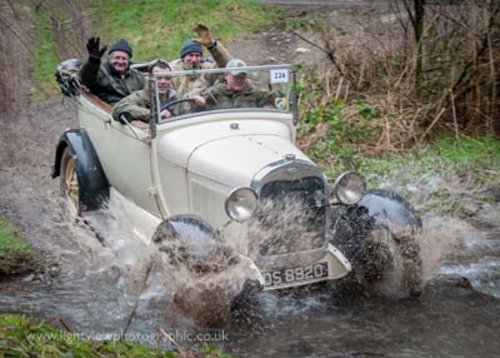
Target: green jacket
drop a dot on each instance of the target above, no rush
(107, 86)
(137, 105)
(195, 84)
(220, 97)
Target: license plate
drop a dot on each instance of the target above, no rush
(296, 274)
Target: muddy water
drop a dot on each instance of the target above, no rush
(450, 318)
(448, 322)
(112, 284)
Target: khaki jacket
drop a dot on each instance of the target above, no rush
(220, 97)
(193, 85)
(109, 87)
(137, 105)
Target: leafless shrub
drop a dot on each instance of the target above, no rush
(446, 77)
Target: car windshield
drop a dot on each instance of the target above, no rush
(242, 88)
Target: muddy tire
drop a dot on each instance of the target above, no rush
(207, 274)
(385, 257)
(401, 275)
(199, 249)
(69, 185)
(167, 242)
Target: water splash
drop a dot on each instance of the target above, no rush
(440, 238)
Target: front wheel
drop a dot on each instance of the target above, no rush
(69, 185)
(381, 246)
(209, 274)
(401, 275)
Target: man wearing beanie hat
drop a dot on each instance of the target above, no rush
(191, 57)
(113, 79)
(191, 47)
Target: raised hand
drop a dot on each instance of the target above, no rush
(93, 48)
(204, 36)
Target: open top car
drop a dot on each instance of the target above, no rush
(216, 173)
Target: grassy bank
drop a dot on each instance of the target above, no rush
(15, 254)
(158, 28)
(447, 175)
(21, 337)
(45, 58)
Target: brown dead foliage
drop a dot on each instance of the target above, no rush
(451, 84)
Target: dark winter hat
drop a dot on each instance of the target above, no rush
(121, 45)
(190, 46)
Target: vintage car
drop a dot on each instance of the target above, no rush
(233, 176)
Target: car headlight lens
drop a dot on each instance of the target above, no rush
(349, 188)
(241, 203)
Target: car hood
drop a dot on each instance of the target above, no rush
(227, 155)
(234, 161)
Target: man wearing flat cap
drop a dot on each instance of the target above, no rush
(113, 79)
(191, 58)
(236, 90)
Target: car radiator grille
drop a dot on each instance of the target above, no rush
(290, 216)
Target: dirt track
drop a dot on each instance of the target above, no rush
(28, 131)
(30, 197)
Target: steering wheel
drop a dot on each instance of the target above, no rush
(174, 103)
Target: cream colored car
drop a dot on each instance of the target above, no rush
(228, 176)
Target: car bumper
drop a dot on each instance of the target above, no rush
(285, 271)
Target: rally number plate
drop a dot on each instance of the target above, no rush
(296, 275)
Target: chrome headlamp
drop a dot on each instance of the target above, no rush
(241, 203)
(349, 188)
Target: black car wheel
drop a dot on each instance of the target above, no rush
(402, 274)
(384, 254)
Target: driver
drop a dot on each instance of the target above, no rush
(136, 106)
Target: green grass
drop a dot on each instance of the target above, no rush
(446, 176)
(467, 152)
(156, 29)
(15, 253)
(45, 59)
(10, 241)
(482, 152)
(21, 337)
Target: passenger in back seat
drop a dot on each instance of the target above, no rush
(113, 79)
(192, 58)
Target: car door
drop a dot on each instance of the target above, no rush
(124, 153)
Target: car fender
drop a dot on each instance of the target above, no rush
(92, 182)
(390, 209)
(184, 225)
